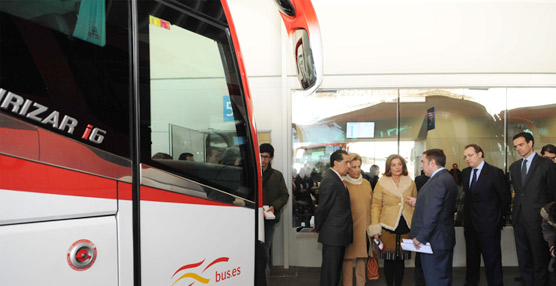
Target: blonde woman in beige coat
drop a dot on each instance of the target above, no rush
(360, 194)
(391, 216)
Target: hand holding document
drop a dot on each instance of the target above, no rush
(379, 243)
(407, 244)
(268, 214)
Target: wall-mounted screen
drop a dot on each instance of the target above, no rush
(356, 130)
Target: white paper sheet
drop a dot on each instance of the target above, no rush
(407, 244)
(268, 215)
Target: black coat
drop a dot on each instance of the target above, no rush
(333, 219)
(548, 214)
(303, 189)
(485, 205)
(539, 189)
(275, 192)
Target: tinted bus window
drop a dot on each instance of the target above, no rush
(65, 68)
(194, 121)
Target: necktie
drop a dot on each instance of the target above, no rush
(474, 180)
(523, 171)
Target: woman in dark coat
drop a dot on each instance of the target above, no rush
(548, 214)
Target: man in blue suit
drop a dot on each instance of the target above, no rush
(333, 219)
(433, 219)
(487, 199)
(534, 181)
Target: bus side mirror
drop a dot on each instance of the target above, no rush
(303, 30)
(304, 61)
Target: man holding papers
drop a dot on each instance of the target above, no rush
(433, 219)
(275, 196)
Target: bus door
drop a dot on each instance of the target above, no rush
(64, 140)
(198, 189)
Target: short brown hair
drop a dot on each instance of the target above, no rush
(438, 156)
(387, 172)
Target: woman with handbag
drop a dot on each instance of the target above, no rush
(391, 216)
(360, 194)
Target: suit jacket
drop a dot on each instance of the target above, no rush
(333, 218)
(433, 219)
(538, 190)
(485, 205)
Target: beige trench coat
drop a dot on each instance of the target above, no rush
(360, 197)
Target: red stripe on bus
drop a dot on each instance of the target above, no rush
(27, 176)
(19, 142)
(156, 195)
(125, 191)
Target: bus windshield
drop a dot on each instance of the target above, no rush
(82, 19)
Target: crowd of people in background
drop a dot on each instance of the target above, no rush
(353, 209)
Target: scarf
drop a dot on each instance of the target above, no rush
(357, 181)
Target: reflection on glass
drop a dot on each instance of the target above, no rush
(531, 110)
(85, 20)
(320, 131)
(460, 117)
(448, 119)
(196, 127)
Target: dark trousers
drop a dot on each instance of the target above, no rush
(487, 243)
(437, 267)
(419, 276)
(393, 272)
(332, 261)
(532, 253)
(268, 235)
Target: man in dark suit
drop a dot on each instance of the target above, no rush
(487, 198)
(333, 219)
(433, 219)
(534, 182)
(420, 181)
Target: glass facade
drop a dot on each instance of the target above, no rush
(376, 123)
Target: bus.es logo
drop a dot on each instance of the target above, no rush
(193, 276)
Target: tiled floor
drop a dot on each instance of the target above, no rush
(306, 276)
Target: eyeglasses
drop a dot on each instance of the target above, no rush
(265, 157)
(468, 156)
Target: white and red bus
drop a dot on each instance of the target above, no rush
(103, 104)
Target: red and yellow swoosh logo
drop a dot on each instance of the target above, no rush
(195, 276)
